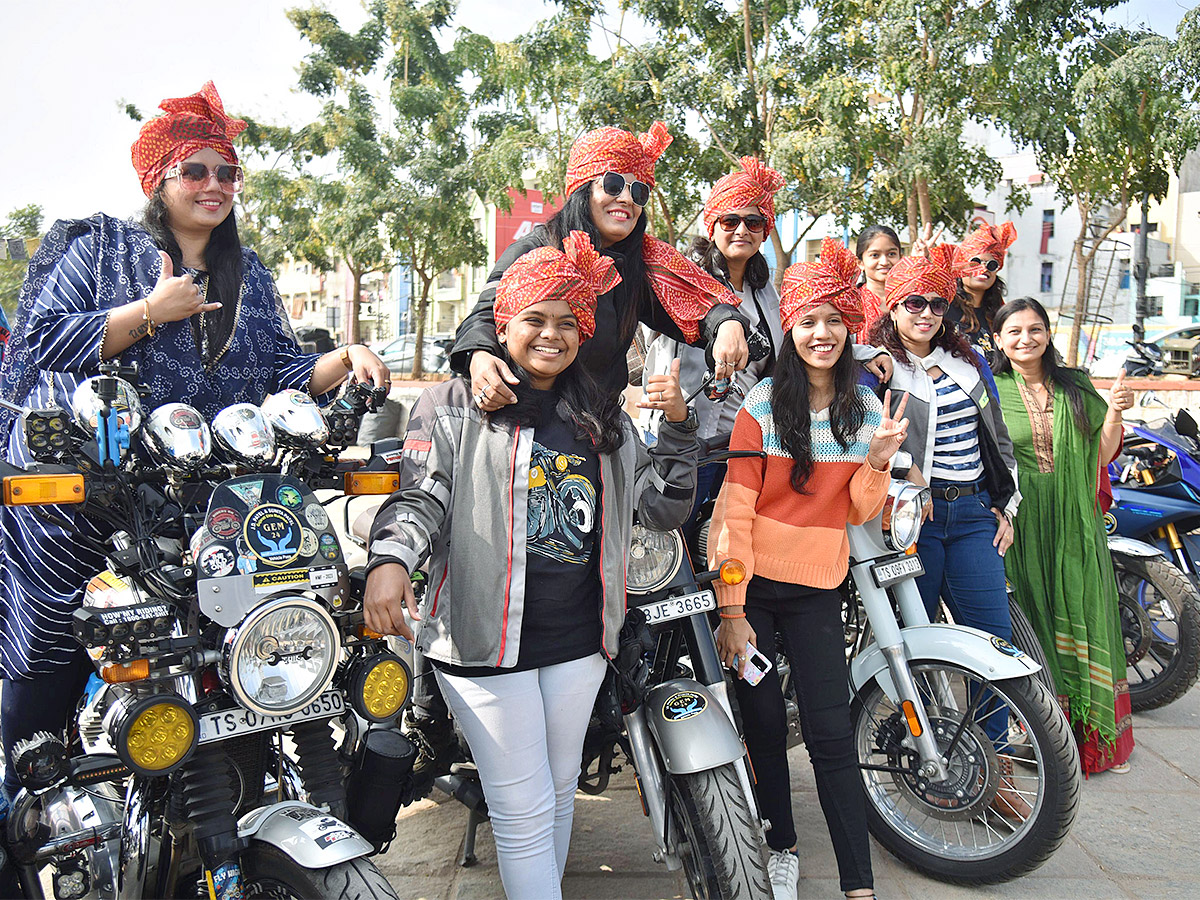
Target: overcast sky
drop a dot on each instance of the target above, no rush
(65, 65)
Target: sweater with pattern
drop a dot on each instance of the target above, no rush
(778, 532)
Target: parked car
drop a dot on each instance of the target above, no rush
(435, 355)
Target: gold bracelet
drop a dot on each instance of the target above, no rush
(150, 326)
(346, 357)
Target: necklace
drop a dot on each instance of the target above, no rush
(203, 330)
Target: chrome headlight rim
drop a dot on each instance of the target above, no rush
(237, 637)
(902, 514)
(677, 548)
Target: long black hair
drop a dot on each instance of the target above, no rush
(883, 333)
(793, 417)
(993, 299)
(576, 215)
(222, 262)
(596, 412)
(704, 253)
(869, 234)
(1053, 370)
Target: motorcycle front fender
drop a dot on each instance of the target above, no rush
(690, 727)
(1120, 544)
(972, 649)
(310, 836)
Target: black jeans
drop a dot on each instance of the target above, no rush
(810, 623)
(40, 703)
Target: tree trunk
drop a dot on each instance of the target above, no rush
(923, 200)
(418, 367)
(914, 214)
(783, 258)
(1083, 271)
(352, 308)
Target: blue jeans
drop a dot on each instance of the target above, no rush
(964, 569)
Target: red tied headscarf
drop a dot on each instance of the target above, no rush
(577, 274)
(832, 279)
(190, 124)
(754, 185)
(683, 289)
(991, 239)
(615, 150)
(918, 275)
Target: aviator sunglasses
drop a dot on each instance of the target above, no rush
(916, 304)
(193, 177)
(754, 224)
(614, 183)
(991, 265)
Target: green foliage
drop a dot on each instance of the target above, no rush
(23, 223)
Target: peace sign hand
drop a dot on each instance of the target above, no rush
(889, 436)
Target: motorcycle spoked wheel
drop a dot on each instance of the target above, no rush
(1160, 625)
(950, 830)
(717, 839)
(268, 872)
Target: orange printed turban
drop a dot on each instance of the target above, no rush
(577, 274)
(993, 239)
(918, 275)
(615, 150)
(832, 279)
(754, 185)
(190, 124)
(683, 289)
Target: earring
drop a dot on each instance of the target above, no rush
(940, 332)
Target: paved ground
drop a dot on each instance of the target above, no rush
(1136, 836)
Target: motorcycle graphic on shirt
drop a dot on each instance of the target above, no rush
(562, 506)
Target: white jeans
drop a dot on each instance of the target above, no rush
(526, 730)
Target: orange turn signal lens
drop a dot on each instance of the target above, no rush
(367, 634)
(733, 571)
(123, 673)
(364, 483)
(910, 715)
(42, 490)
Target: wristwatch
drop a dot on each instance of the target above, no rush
(346, 357)
(691, 423)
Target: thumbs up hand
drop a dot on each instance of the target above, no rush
(175, 298)
(1120, 398)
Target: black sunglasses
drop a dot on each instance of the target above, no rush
(614, 183)
(991, 265)
(916, 304)
(194, 176)
(754, 224)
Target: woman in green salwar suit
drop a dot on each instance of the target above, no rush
(1064, 436)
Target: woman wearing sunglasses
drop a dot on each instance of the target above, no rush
(957, 444)
(980, 289)
(610, 175)
(199, 315)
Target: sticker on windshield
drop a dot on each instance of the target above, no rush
(224, 522)
(216, 560)
(683, 705)
(289, 496)
(273, 534)
(316, 515)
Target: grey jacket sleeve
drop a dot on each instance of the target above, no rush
(1005, 446)
(410, 520)
(665, 477)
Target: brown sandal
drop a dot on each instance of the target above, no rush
(1008, 800)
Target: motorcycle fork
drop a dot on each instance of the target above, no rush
(891, 642)
(650, 780)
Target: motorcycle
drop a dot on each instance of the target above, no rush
(226, 619)
(1144, 359)
(1156, 552)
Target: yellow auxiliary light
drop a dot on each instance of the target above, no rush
(379, 686)
(157, 734)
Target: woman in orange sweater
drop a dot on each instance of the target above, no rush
(829, 447)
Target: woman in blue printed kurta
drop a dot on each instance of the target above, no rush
(202, 320)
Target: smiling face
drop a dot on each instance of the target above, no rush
(614, 217)
(820, 336)
(979, 283)
(740, 244)
(1024, 338)
(543, 339)
(877, 260)
(917, 330)
(197, 211)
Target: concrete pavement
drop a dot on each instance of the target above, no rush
(1136, 836)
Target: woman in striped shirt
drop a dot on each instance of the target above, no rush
(957, 444)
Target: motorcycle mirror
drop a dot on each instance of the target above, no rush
(1186, 425)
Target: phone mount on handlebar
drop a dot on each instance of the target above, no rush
(347, 411)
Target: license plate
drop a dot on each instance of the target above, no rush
(230, 723)
(678, 607)
(890, 572)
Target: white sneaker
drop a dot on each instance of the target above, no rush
(783, 866)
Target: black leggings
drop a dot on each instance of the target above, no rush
(810, 622)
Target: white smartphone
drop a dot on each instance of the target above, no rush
(757, 665)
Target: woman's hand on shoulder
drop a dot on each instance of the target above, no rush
(663, 392)
(881, 366)
(490, 378)
(175, 298)
(889, 436)
(388, 594)
(732, 637)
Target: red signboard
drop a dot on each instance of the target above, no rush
(527, 211)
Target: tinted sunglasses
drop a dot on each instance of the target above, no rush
(991, 265)
(916, 304)
(615, 182)
(194, 176)
(754, 224)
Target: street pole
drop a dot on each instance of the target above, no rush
(1141, 265)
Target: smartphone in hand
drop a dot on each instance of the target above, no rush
(757, 665)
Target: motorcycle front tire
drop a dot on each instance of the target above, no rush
(718, 840)
(269, 872)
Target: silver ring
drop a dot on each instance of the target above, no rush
(479, 398)
(660, 396)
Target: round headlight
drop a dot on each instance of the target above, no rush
(157, 734)
(379, 686)
(282, 656)
(654, 558)
(902, 514)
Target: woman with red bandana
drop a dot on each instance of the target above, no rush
(199, 314)
(610, 174)
(980, 290)
(518, 630)
(829, 447)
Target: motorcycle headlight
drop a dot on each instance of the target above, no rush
(156, 734)
(282, 656)
(902, 514)
(654, 558)
(378, 686)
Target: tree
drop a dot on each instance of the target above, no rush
(24, 223)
